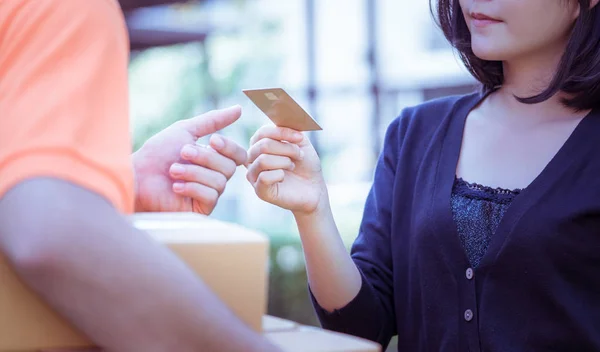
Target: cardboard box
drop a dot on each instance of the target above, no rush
(230, 259)
(292, 337)
(274, 324)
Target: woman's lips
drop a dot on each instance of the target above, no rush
(480, 20)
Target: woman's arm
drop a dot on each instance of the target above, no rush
(352, 294)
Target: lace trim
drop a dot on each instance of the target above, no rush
(481, 192)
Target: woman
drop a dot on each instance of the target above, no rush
(482, 228)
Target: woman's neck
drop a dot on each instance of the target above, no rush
(529, 77)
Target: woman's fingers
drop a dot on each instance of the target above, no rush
(267, 162)
(264, 186)
(277, 133)
(274, 147)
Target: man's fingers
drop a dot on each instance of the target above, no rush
(210, 159)
(199, 174)
(277, 133)
(212, 121)
(229, 148)
(76, 350)
(204, 196)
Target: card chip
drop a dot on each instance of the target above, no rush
(270, 96)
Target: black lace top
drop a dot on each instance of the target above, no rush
(477, 211)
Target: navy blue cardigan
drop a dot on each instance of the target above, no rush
(536, 289)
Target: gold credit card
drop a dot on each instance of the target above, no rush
(282, 109)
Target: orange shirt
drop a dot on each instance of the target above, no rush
(64, 96)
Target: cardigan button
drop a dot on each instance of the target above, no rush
(469, 273)
(468, 315)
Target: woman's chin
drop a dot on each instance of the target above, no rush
(487, 53)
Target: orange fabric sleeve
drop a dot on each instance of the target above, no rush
(64, 96)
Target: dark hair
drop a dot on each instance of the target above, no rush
(578, 73)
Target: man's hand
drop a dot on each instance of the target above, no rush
(76, 350)
(174, 174)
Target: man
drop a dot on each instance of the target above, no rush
(66, 182)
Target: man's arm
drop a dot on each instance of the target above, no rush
(66, 180)
(126, 292)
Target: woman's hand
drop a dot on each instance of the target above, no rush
(285, 170)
